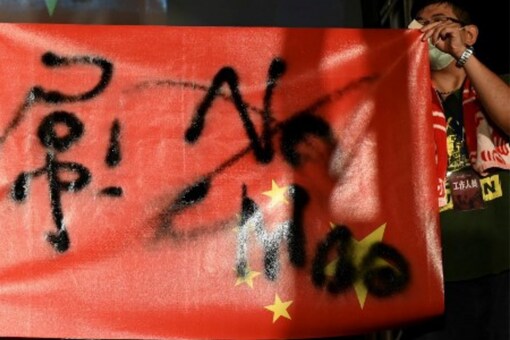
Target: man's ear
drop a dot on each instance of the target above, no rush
(471, 34)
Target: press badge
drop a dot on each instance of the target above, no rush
(466, 190)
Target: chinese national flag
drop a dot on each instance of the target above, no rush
(171, 182)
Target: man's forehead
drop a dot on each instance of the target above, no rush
(436, 10)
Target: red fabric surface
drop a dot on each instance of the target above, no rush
(160, 253)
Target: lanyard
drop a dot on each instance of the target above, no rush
(457, 149)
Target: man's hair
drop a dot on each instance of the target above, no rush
(460, 9)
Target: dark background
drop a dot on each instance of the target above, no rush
(492, 16)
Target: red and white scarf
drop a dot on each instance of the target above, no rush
(488, 147)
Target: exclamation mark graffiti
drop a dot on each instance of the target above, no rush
(113, 157)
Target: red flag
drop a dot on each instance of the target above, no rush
(215, 182)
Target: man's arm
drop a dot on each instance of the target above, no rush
(492, 91)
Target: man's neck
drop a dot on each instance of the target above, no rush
(448, 79)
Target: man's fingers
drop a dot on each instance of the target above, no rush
(449, 31)
(437, 30)
(428, 30)
(442, 32)
(429, 26)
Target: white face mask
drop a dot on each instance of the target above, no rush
(438, 59)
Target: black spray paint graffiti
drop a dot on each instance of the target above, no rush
(55, 143)
(113, 158)
(381, 281)
(290, 231)
(294, 131)
(51, 60)
(38, 94)
(262, 147)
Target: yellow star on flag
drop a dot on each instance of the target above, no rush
(278, 194)
(360, 250)
(248, 278)
(279, 308)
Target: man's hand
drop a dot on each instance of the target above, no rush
(449, 37)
